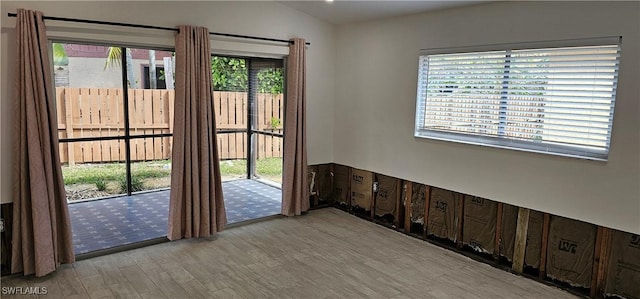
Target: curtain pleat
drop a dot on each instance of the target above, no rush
(196, 202)
(42, 238)
(295, 181)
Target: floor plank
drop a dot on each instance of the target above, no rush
(324, 254)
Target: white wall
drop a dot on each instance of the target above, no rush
(86, 72)
(90, 72)
(268, 19)
(376, 74)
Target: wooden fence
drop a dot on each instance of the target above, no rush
(98, 112)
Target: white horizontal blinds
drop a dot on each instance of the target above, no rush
(463, 92)
(557, 99)
(572, 99)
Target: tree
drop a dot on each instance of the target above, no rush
(153, 83)
(229, 74)
(271, 81)
(114, 58)
(59, 55)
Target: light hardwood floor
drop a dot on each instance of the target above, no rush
(324, 254)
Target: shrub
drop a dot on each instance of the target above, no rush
(101, 185)
(136, 184)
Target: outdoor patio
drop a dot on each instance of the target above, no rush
(119, 221)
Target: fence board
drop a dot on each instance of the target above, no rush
(239, 112)
(95, 119)
(98, 112)
(86, 100)
(260, 146)
(112, 113)
(148, 120)
(262, 112)
(273, 113)
(241, 140)
(280, 102)
(228, 151)
(157, 120)
(66, 151)
(137, 150)
(235, 151)
(75, 105)
(136, 99)
(223, 116)
(268, 111)
(222, 146)
(86, 152)
(96, 148)
(147, 107)
(169, 108)
(244, 102)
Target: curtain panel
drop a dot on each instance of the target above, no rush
(42, 238)
(295, 181)
(196, 203)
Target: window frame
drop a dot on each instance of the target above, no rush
(145, 75)
(127, 136)
(550, 148)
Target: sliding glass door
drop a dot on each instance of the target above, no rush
(249, 102)
(114, 110)
(266, 78)
(115, 116)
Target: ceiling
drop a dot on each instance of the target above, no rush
(351, 11)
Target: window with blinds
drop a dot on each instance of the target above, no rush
(555, 100)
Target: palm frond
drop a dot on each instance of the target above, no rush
(114, 57)
(59, 55)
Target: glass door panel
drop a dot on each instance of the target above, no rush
(93, 169)
(150, 163)
(267, 95)
(230, 102)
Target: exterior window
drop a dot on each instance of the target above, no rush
(160, 83)
(554, 100)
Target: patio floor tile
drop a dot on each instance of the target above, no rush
(111, 222)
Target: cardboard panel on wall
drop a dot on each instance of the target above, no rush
(443, 208)
(386, 196)
(533, 248)
(341, 183)
(361, 189)
(479, 225)
(418, 200)
(570, 251)
(623, 273)
(508, 231)
(323, 178)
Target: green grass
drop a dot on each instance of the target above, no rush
(97, 173)
(233, 167)
(269, 166)
(106, 172)
(265, 166)
(151, 175)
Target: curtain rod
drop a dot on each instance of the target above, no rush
(158, 28)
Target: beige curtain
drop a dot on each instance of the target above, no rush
(196, 204)
(42, 237)
(295, 185)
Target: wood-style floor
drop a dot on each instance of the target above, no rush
(324, 254)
